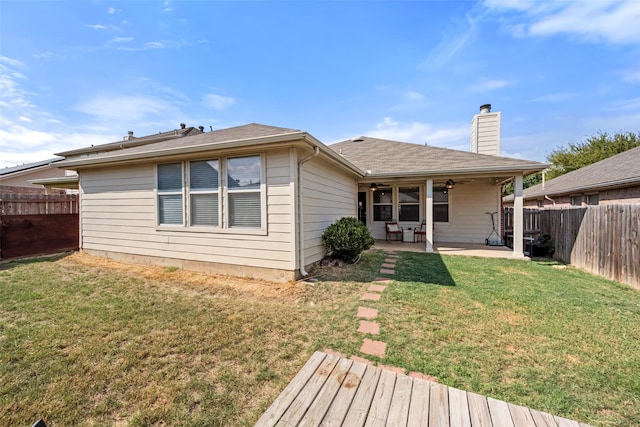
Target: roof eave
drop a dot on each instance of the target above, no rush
(581, 189)
(88, 162)
(525, 169)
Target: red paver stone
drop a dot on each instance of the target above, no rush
(387, 271)
(423, 376)
(367, 327)
(373, 348)
(370, 297)
(367, 313)
(382, 279)
(385, 265)
(376, 288)
(334, 353)
(361, 360)
(392, 369)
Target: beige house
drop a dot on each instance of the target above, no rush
(254, 200)
(613, 180)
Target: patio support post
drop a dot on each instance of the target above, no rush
(518, 231)
(429, 216)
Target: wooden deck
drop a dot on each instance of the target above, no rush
(333, 391)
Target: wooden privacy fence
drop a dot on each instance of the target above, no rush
(38, 224)
(603, 240)
(38, 204)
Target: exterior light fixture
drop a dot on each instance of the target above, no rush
(373, 186)
(450, 183)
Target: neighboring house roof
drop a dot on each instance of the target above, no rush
(27, 167)
(621, 170)
(133, 141)
(383, 157)
(250, 135)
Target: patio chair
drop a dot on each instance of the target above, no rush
(393, 229)
(420, 232)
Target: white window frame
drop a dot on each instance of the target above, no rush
(448, 203)
(223, 202)
(391, 204)
(259, 190)
(416, 203)
(169, 193)
(189, 192)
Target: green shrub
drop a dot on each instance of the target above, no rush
(347, 238)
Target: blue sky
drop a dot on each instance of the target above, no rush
(76, 73)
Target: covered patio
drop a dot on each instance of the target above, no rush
(465, 249)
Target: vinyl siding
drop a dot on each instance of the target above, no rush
(328, 195)
(485, 134)
(119, 215)
(468, 218)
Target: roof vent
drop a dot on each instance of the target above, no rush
(201, 128)
(182, 126)
(129, 136)
(357, 139)
(485, 108)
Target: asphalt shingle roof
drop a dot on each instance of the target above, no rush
(621, 169)
(381, 156)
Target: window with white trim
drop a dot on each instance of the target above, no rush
(170, 186)
(244, 206)
(383, 204)
(409, 204)
(440, 204)
(204, 193)
(205, 189)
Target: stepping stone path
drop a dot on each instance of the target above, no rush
(369, 327)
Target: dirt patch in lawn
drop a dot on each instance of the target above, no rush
(195, 280)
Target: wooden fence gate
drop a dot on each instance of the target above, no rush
(38, 224)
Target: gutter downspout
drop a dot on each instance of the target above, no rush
(316, 151)
(550, 199)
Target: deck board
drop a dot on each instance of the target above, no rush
(333, 391)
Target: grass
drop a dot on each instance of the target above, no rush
(86, 341)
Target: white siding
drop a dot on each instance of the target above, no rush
(468, 219)
(119, 215)
(329, 194)
(485, 134)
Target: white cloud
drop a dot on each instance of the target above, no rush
(455, 136)
(122, 109)
(121, 39)
(631, 75)
(413, 96)
(24, 119)
(612, 21)
(556, 97)
(217, 102)
(100, 27)
(451, 43)
(113, 11)
(491, 84)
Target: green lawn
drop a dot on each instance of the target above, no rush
(91, 342)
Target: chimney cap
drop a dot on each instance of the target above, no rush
(182, 126)
(201, 128)
(485, 108)
(130, 133)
